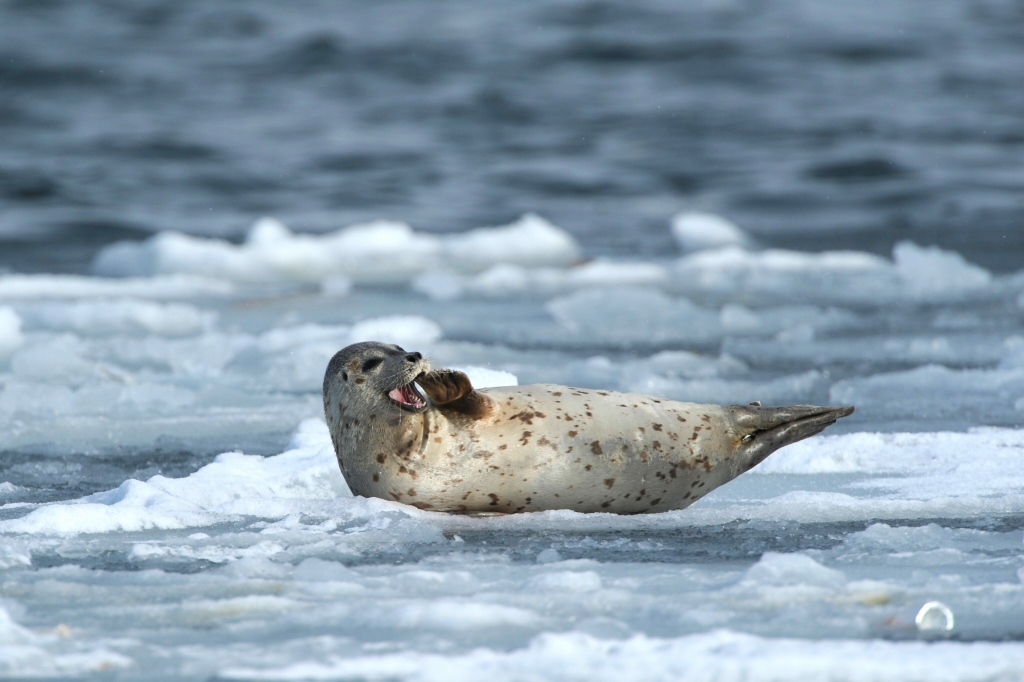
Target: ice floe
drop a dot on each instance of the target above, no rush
(380, 252)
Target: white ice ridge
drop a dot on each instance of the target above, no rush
(11, 337)
(699, 231)
(717, 655)
(26, 654)
(19, 287)
(901, 476)
(377, 252)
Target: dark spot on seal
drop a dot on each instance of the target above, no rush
(686, 496)
(503, 446)
(572, 434)
(678, 418)
(595, 447)
(376, 477)
(397, 496)
(609, 482)
(588, 467)
(525, 438)
(402, 470)
(494, 499)
(380, 458)
(411, 492)
(656, 427)
(656, 501)
(361, 380)
(694, 484)
(557, 393)
(606, 504)
(705, 417)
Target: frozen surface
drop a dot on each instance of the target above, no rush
(170, 505)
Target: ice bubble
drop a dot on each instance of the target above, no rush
(11, 337)
(699, 231)
(934, 617)
(403, 330)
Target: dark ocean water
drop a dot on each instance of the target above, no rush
(812, 125)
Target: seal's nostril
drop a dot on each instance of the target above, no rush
(413, 357)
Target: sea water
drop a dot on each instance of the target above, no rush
(727, 202)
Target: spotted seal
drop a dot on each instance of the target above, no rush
(405, 432)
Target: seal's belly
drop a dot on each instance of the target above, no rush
(552, 446)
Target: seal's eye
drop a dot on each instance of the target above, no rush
(371, 363)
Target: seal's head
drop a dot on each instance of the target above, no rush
(373, 379)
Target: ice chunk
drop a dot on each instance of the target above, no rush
(379, 252)
(14, 287)
(11, 337)
(699, 231)
(565, 581)
(108, 317)
(502, 281)
(733, 274)
(633, 314)
(775, 568)
(930, 272)
(404, 330)
(957, 398)
(482, 377)
(233, 486)
(718, 654)
(24, 654)
(530, 241)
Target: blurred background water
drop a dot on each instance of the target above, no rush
(812, 125)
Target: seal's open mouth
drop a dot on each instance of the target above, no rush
(408, 397)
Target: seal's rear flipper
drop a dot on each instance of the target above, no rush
(767, 429)
(452, 391)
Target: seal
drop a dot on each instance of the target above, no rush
(424, 437)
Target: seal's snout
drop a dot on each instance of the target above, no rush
(413, 357)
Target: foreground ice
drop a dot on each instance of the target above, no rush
(161, 517)
(830, 541)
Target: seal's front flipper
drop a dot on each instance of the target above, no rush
(452, 391)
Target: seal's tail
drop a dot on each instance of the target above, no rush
(766, 429)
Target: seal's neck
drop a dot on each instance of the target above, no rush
(367, 438)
